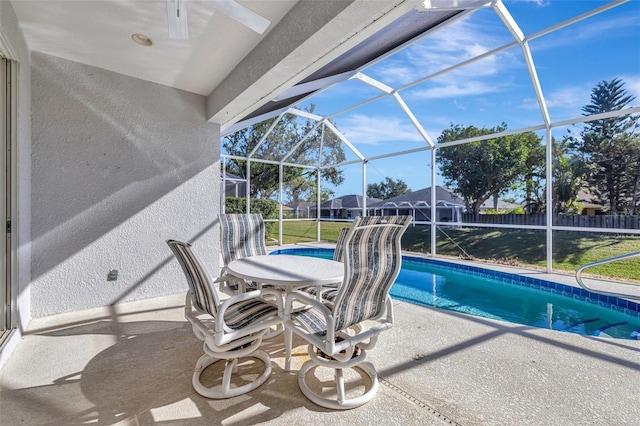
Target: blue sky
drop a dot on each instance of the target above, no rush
(498, 89)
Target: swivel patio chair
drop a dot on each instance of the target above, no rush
(341, 333)
(229, 330)
(241, 235)
(329, 292)
(339, 250)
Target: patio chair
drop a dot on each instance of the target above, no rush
(242, 235)
(340, 333)
(329, 292)
(229, 330)
(339, 250)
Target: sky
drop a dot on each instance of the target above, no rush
(569, 63)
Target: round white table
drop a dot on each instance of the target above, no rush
(288, 273)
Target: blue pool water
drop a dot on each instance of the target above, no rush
(508, 297)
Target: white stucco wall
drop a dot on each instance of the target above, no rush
(12, 41)
(119, 166)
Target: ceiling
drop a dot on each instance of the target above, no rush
(308, 46)
(98, 33)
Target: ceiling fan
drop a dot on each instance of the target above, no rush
(177, 16)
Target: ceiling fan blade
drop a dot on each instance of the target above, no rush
(245, 16)
(177, 19)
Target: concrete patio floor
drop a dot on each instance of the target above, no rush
(131, 364)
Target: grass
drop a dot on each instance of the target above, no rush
(512, 246)
(306, 231)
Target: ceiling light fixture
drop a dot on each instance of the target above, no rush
(142, 39)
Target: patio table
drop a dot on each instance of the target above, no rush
(287, 273)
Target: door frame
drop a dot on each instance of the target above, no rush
(8, 205)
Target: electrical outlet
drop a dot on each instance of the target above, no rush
(113, 275)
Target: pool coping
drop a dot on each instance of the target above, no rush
(512, 275)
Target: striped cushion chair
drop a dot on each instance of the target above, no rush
(339, 250)
(242, 235)
(230, 330)
(329, 293)
(339, 334)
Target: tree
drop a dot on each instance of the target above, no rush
(611, 148)
(569, 174)
(388, 188)
(479, 170)
(633, 175)
(534, 175)
(292, 136)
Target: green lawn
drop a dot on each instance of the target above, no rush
(517, 247)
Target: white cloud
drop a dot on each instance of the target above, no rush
(568, 97)
(368, 130)
(441, 50)
(632, 84)
(455, 44)
(539, 3)
(592, 29)
(398, 73)
(455, 89)
(573, 98)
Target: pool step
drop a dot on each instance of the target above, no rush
(601, 330)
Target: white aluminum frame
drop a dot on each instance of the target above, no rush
(547, 125)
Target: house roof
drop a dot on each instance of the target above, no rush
(231, 178)
(347, 202)
(301, 205)
(586, 199)
(444, 196)
(424, 196)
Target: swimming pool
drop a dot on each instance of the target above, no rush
(508, 297)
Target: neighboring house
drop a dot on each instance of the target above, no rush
(589, 208)
(449, 207)
(234, 186)
(345, 207)
(302, 209)
(287, 211)
(501, 206)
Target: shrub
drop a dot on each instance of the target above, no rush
(512, 210)
(268, 208)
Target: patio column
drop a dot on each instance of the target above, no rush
(280, 207)
(247, 189)
(224, 186)
(433, 201)
(364, 188)
(549, 211)
(318, 204)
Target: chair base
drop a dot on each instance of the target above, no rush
(340, 402)
(226, 391)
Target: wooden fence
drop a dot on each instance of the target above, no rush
(578, 221)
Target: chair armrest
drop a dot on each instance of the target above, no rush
(305, 299)
(316, 304)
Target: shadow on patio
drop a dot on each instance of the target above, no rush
(132, 364)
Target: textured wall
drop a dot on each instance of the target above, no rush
(119, 166)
